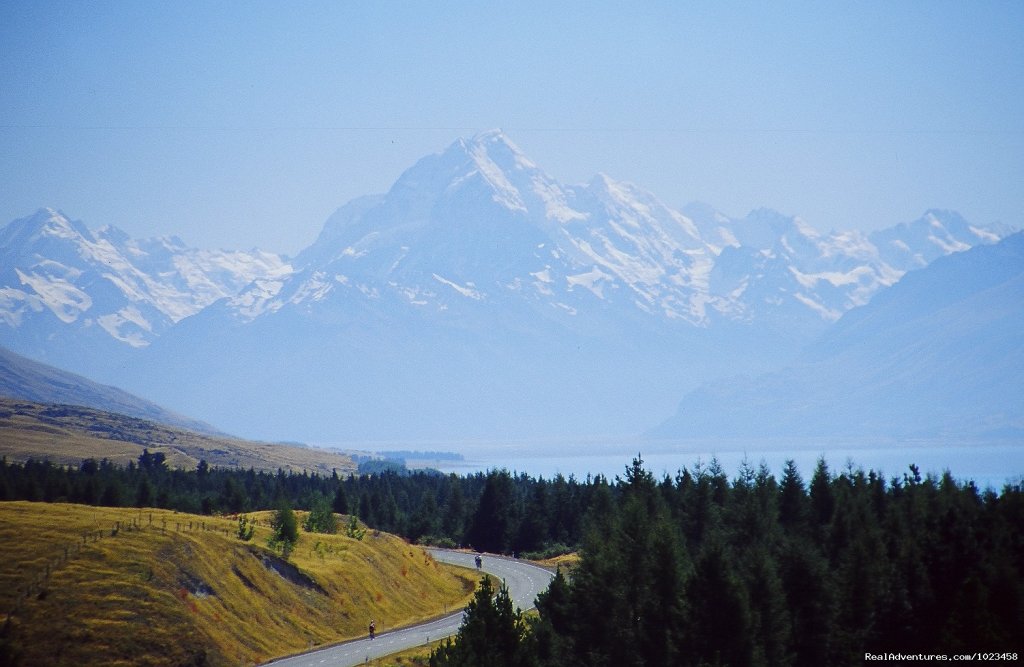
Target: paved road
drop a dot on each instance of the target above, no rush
(525, 581)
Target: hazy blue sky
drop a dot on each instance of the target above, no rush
(238, 124)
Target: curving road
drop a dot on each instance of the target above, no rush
(524, 580)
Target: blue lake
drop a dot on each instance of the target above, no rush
(988, 464)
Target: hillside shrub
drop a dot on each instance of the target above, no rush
(285, 530)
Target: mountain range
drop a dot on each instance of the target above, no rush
(940, 355)
(477, 299)
(78, 298)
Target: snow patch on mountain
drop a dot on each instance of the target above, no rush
(133, 289)
(556, 207)
(468, 290)
(127, 325)
(592, 280)
(63, 299)
(314, 289)
(505, 193)
(257, 299)
(985, 235)
(826, 313)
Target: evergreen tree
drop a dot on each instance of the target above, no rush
(553, 633)
(719, 623)
(822, 502)
(805, 579)
(144, 494)
(664, 626)
(285, 529)
(769, 611)
(453, 522)
(152, 463)
(491, 634)
(365, 509)
(353, 530)
(111, 494)
(424, 521)
(320, 518)
(246, 528)
(340, 504)
(533, 529)
(793, 510)
(232, 497)
(597, 595)
(494, 522)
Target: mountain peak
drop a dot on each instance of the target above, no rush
(49, 218)
(44, 223)
(489, 150)
(494, 135)
(47, 213)
(942, 214)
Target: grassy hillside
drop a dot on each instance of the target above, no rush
(68, 434)
(89, 586)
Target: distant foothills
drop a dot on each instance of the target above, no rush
(480, 298)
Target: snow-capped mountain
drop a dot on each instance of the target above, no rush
(65, 288)
(480, 222)
(940, 354)
(478, 297)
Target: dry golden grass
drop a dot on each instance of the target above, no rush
(67, 434)
(567, 561)
(159, 592)
(414, 657)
